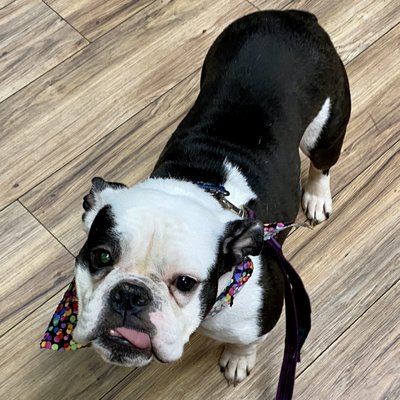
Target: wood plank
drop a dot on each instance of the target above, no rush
(347, 274)
(346, 271)
(4, 3)
(127, 155)
(33, 40)
(58, 206)
(33, 265)
(353, 25)
(94, 18)
(76, 104)
(374, 119)
(271, 5)
(364, 363)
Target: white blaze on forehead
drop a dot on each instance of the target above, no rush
(99, 202)
(167, 224)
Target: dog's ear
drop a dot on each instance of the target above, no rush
(98, 185)
(92, 202)
(242, 238)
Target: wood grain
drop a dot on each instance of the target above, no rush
(4, 3)
(33, 39)
(343, 274)
(93, 18)
(34, 265)
(366, 359)
(91, 94)
(374, 121)
(57, 204)
(353, 26)
(271, 5)
(127, 155)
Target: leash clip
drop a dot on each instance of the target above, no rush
(225, 203)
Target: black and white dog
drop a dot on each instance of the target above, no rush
(158, 254)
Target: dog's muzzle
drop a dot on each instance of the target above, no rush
(129, 302)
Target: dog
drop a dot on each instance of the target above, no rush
(158, 254)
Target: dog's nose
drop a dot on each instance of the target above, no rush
(130, 297)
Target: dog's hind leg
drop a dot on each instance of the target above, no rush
(322, 142)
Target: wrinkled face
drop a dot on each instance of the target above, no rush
(148, 272)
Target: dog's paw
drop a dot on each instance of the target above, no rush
(237, 361)
(317, 199)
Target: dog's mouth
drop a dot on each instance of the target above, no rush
(124, 346)
(130, 338)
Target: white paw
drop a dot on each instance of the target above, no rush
(237, 361)
(317, 199)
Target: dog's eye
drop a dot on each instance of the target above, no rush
(185, 283)
(103, 258)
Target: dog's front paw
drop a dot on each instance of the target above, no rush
(317, 200)
(237, 361)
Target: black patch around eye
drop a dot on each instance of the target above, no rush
(101, 259)
(102, 236)
(209, 290)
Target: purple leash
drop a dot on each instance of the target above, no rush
(298, 322)
(297, 302)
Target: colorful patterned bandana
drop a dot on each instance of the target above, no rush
(240, 276)
(243, 272)
(58, 336)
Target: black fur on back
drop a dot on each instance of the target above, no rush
(263, 81)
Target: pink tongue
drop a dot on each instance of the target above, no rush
(138, 339)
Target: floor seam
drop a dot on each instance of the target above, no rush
(45, 227)
(72, 55)
(66, 21)
(120, 23)
(348, 328)
(102, 138)
(253, 5)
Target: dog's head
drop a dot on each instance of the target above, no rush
(148, 272)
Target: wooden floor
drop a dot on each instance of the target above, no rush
(96, 87)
